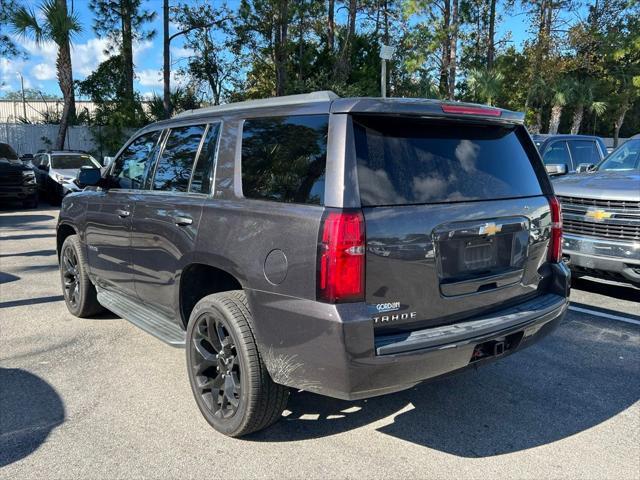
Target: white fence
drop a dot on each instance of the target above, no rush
(25, 138)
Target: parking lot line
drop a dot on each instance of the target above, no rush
(604, 315)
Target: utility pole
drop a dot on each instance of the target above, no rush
(24, 102)
(386, 52)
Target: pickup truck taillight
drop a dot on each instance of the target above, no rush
(341, 257)
(555, 243)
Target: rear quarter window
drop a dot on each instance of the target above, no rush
(284, 158)
(409, 161)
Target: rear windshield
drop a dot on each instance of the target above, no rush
(73, 161)
(408, 161)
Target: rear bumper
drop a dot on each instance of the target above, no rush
(331, 349)
(619, 259)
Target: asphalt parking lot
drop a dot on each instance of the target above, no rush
(99, 398)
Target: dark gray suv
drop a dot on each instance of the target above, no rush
(348, 247)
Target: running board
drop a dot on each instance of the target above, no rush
(143, 317)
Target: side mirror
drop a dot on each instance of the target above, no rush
(88, 177)
(585, 167)
(556, 169)
(106, 161)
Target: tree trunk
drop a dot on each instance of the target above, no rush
(344, 62)
(554, 123)
(331, 27)
(577, 119)
(445, 56)
(166, 59)
(491, 35)
(618, 124)
(281, 25)
(452, 49)
(65, 80)
(127, 48)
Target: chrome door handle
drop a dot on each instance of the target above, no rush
(183, 221)
(123, 213)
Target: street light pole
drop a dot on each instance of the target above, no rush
(386, 52)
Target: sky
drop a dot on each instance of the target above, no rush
(88, 51)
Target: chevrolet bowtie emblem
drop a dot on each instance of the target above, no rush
(490, 229)
(598, 214)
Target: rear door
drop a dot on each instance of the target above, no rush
(109, 213)
(167, 215)
(456, 218)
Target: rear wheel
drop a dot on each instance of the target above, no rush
(229, 380)
(79, 293)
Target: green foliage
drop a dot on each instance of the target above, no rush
(54, 24)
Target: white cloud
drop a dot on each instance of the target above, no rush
(139, 48)
(44, 71)
(85, 57)
(181, 52)
(150, 77)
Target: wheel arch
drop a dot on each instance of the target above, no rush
(63, 231)
(200, 278)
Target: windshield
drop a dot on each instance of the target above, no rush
(73, 161)
(626, 157)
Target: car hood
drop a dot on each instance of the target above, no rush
(620, 185)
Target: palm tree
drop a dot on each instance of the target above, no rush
(53, 24)
(485, 85)
(561, 94)
(584, 100)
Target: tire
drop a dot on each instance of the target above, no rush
(228, 377)
(79, 293)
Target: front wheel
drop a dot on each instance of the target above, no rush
(229, 380)
(79, 293)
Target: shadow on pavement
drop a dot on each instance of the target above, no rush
(619, 291)
(31, 301)
(35, 253)
(30, 409)
(570, 382)
(8, 277)
(27, 236)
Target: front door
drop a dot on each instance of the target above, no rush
(109, 215)
(167, 215)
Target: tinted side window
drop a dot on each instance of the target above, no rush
(284, 158)
(584, 151)
(173, 171)
(410, 161)
(557, 153)
(202, 173)
(130, 167)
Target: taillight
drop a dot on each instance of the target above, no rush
(555, 243)
(341, 257)
(471, 110)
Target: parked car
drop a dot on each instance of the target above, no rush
(17, 181)
(562, 154)
(602, 216)
(56, 172)
(348, 247)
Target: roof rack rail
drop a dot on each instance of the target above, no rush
(321, 96)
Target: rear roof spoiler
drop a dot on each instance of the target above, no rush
(424, 107)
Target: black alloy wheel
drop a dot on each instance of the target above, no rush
(70, 276)
(216, 365)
